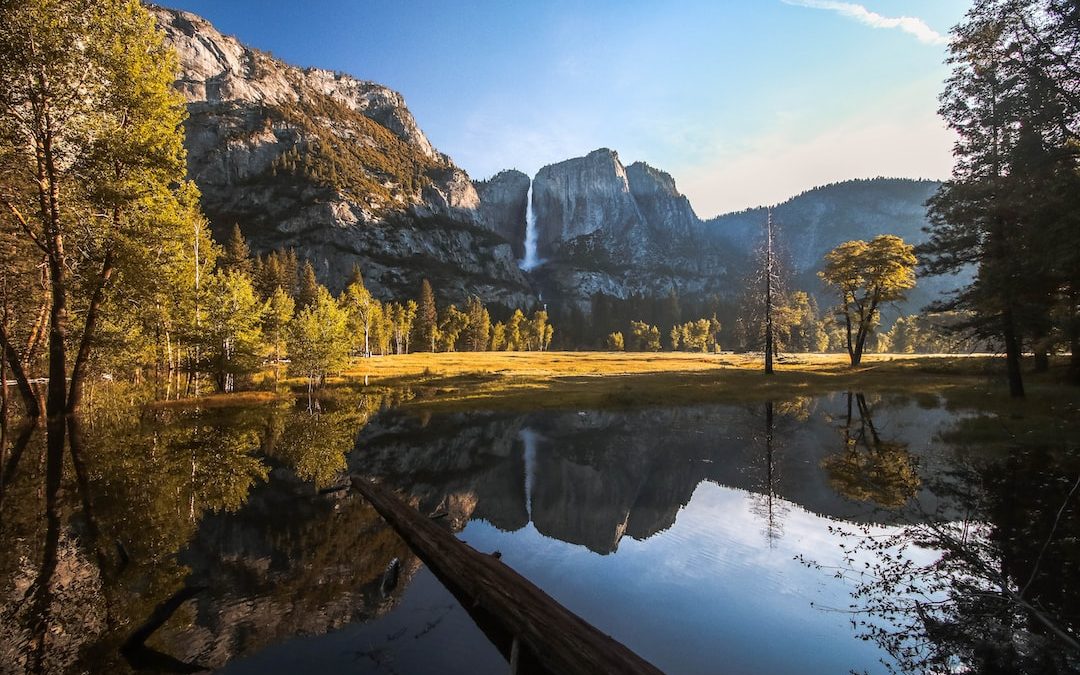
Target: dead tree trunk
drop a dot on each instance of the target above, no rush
(551, 636)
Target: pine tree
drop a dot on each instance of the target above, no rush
(237, 256)
(308, 290)
(427, 316)
(1014, 100)
(479, 325)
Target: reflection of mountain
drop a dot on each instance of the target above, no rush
(212, 499)
(289, 563)
(600, 475)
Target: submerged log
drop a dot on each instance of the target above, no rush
(506, 605)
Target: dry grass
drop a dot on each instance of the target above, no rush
(237, 399)
(568, 380)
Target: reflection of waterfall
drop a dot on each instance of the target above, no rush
(529, 438)
(530, 260)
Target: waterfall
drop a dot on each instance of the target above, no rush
(529, 439)
(530, 260)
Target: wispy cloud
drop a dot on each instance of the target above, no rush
(908, 24)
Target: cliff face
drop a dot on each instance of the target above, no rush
(503, 206)
(664, 209)
(333, 166)
(337, 168)
(620, 231)
(584, 196)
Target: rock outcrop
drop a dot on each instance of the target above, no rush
(338, 168)
(619, 231)
(335, 167)
(581, 197)
(503, 205)
(666, 211)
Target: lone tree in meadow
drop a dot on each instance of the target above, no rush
(868, 274)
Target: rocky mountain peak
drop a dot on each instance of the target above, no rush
(333, 166)
(217, 68)
(583, 196)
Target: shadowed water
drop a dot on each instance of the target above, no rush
(818, 535)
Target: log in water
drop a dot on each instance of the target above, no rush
(505, 604)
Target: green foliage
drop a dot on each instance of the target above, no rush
(276, 270)
(498, 337)
(932, 333)
(364, 314)
(427, 317)
(275, 321)
(478, 330)
(451, 326)
(318, 339)
(307, 290)
(515, 331)
(237, 256)
(798, 326)
(1010, 208)
(866, 275)
(344, 150)
(232, 329)
(696, 336)
(644, 338)
(92, 168)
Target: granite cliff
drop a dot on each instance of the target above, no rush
(605, 228)
(503, 205)
(333, 166)
(338, 168)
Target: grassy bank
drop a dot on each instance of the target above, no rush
(567, 380)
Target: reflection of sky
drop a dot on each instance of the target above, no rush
(711, 593)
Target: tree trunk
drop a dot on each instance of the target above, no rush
(78, 371)
(1042, 361)
(768, 299)
(860, 342)
(1074, 337)
(1012, 355)
(11, 358)
(847, 332)
(505, 605)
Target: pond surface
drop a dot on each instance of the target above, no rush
(818, 535)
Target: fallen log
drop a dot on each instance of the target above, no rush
(506, 605)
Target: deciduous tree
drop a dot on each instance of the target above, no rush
(867, 275)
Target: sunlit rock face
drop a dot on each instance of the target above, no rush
(503, 205)
(583, 196)
(615, 230)
(333, 166)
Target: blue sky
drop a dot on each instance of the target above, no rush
(744, 102)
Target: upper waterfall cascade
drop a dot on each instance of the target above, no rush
(530, 260)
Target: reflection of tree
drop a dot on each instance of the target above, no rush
(107, 543)
(871, 469)
(315, 439)
(992, 592)
(766, 503)
(139, 488)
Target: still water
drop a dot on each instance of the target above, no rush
(819, 535)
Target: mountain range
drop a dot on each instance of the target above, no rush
(337, 168)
